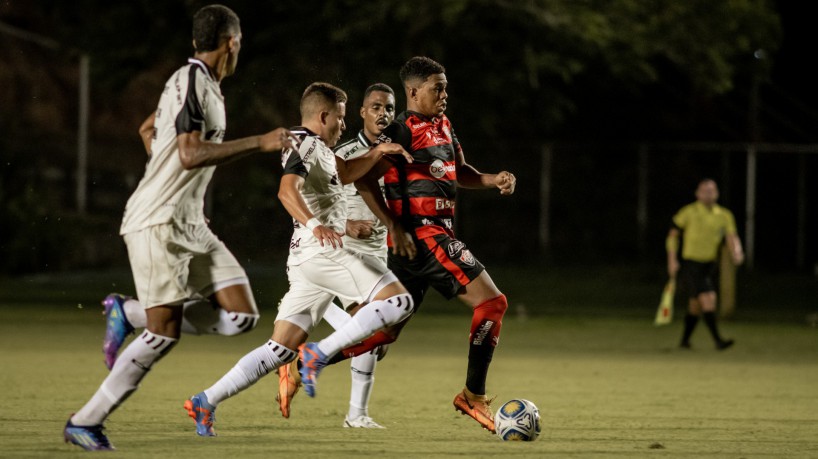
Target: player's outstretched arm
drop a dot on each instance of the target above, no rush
(146, 130)
(353, 169)
(194, 152)
(289, 193)
(370, 190)
(469, 177)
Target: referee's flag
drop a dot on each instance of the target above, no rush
(664, 315)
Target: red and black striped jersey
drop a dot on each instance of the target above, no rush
(422, 194)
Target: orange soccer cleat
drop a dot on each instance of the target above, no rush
(476, 406)
(289, 380)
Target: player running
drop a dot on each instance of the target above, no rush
(173, 254)
(420, 199)
(365, 235)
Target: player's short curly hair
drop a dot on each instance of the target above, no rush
(320, 96)
(419, 67)
(212, 25)
(378, 87)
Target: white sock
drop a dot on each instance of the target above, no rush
(135, 313)
(336, 317)
(369, 319)
(131, 366)
(362, 369)
(249, 369)
(201, 317)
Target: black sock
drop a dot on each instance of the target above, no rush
(479, 360)
(690, 325)
(710, 320)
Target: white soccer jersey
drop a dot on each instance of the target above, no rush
(322, 192)
(356, 207)
(192, 101)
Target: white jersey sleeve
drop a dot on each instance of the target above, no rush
(191, 102)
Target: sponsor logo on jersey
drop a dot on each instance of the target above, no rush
(438, 168)
(309, 151)
(441, 204)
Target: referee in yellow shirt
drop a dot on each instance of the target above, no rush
(703, 226)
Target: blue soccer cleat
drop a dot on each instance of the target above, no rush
(203, 414)
(117, 327)
(89, 438)
(312, 362)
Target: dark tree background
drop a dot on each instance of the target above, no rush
(593, 79)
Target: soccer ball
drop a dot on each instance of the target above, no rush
(518, 420)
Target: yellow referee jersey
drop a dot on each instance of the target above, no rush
(703, 229)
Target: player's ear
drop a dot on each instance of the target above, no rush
(194, 45)
(363, 112)
(324, 116)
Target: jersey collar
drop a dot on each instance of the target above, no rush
(432, 119)
(363, 139)
(194, 61)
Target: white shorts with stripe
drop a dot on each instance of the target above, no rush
(352, 277)
(174, 262)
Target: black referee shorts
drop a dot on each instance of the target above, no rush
(697, 277)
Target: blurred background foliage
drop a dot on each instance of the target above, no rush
(522, 74)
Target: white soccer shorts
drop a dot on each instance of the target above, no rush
(174, 262)
(339, 273)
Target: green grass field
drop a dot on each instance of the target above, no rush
(607, 382)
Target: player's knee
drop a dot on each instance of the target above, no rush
(496, 306)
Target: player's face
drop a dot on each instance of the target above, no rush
(334, 124)
(378, 111)
(234, 46)
(707, 193)
(431, 96)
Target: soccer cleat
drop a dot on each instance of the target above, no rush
(476, 406)
(362, 422)
(724, 344)
(117, 326)
(312, 362)
(203, 414)
(289, 380)
(89, 438)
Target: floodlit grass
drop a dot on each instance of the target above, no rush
(608, 384)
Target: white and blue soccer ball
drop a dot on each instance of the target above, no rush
(518, 420)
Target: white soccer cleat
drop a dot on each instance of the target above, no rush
(362, 422)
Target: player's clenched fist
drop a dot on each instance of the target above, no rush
(506, 182)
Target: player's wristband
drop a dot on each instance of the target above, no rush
(313, 223)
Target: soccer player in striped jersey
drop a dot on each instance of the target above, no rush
(419, 212)
(703, 226)
(174, 256)
(365, 235)
(318, 267)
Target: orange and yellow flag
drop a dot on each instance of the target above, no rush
(664, 315)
